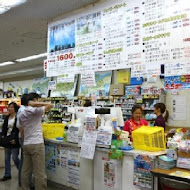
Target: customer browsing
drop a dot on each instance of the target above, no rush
(34, 153)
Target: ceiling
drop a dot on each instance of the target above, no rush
(23, 33)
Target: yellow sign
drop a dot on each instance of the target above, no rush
(123, 77)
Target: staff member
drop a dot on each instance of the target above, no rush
(136, 121)
(159, 110)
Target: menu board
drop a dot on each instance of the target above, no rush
(140, 34)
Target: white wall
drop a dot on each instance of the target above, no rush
(17, 84)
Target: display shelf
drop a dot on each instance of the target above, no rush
(146, 101)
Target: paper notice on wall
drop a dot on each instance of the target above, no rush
(88, 79)
(88, 144)
(62, 156)
(73, 168)
(52, 85)
(66, 78)
(179, 108)
(111, 176)
(50, 156)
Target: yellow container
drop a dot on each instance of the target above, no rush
(149, 139)
(53, 130)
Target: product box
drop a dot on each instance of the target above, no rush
(183, 154)
(117, 89)
(183, 163)
(146, 90)
(132, 90)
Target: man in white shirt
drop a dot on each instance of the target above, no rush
(21, 139)
(34, 152)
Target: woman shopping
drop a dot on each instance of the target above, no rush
(10, 131)
(136, 121)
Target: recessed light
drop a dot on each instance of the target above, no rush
(31, 57)
(7, 63)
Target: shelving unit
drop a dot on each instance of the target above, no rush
(59, 113)
(4, 102)
(146, 101)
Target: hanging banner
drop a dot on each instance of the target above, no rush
(61, 48)
(88, 79)
(177, 82)
(66, 78)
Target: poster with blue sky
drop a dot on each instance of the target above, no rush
(62, 36)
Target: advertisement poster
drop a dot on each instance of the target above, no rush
(40, 86)
(66, 78)
(123, 77)
(143, 164)
(89, 45)
(177, 82)
(73, 168)
(50, 156)
(61, 48)
(114, 31)
(176, 69)
(65, 89)
(88, 144)
(62, 156)
(110, 173)
(104, 137)
(88, 79)
(103, 81)
(52, 85)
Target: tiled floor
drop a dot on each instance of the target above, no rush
(13, 183)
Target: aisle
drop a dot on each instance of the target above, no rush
(13, 183)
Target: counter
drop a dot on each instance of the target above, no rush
(91, 171)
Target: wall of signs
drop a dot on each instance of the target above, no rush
(140, 35)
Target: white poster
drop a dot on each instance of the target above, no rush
(61, 48)
(89, 48)
(114, 32)
(52, 85)
(88, 79)
(66, 78)
(73, 168)
(176, 69)
(111, 173)
(88, 144)
(179, 108)
(62, 156)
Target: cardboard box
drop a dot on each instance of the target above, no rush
(117, 90)
(183, 163)
(183, 154)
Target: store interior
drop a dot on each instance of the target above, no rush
(118, 76)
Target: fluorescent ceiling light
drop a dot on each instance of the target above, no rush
(22, 71)
(6, 63)
(6, 5)
(32, 57)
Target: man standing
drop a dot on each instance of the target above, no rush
(21, 139)
(34, 152)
